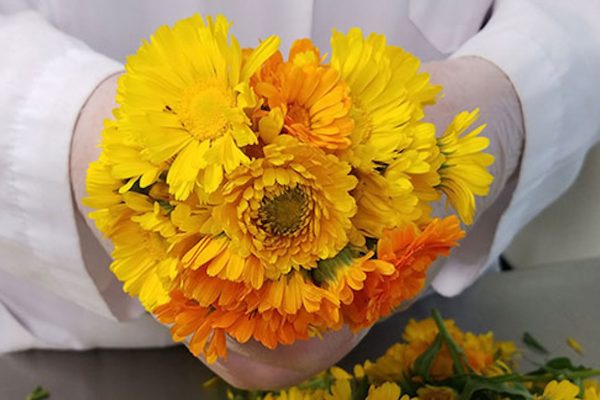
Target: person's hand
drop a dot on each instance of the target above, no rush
(248, 365)
(473, 82)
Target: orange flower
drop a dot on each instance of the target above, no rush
(204, 308)
(312, 100)
(411, 251)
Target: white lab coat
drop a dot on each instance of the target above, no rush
(55, 52)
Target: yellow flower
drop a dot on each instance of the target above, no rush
(314, 103)
(184, 98)
(387, 391)
(394, 365)
(394, 153)
(340, 390)
(436, 393)
(288, 209)
(592, 390)
(387, 93)
(463, 172)
(563, 390)
(141, 263)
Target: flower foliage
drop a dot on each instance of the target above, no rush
(438, 361)
(257, 197)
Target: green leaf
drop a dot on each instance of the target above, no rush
(458, 356)
(422, 364)
(360, 389)
(533, 343)
(476, 384)
(39, 393)
(327, 269)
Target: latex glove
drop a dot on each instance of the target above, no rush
(468, 83)
(473, 82)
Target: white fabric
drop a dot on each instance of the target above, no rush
(551, 53)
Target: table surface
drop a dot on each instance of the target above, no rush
(551, 302)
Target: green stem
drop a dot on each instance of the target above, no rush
(458, 356)
(548, 376)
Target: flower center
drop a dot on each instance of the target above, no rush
(286, 212)
(297, 114)
(205, 108)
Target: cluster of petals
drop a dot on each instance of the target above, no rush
(254, 197)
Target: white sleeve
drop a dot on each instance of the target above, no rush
(45, 78)
(550, 49)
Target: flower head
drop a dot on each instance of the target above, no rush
(463, 172)
(410, 251)
(563, 390)
(184, 98)
(313, 103)
(387, 95)
(290, 208)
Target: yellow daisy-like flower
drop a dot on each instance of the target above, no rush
(592, 390)
(394, 365)
(184, 98)
(387, 94)
(464, 172)
(313, 102)
(385, 200)
(140, 256)
(436, 393)
(563, 390)
(387, 391)
(288, 209)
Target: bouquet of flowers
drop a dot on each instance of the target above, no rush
(438, 361)
(253, 197)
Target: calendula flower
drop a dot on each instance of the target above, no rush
(394, 365)
(313, 102)
(340, 390)
(280, 312)
(288, 209)
(563, 390)
(184, 98)
(411, 251)
(592, 390)
(384, 200)
(387, 94)
(463, 172)
(141, 262)
(386, 391)
(429, 392)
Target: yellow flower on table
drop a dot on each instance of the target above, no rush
(436, 393)
(387, 391)
(563, 390)
(592, 390)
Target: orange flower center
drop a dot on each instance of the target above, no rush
(297, 114)
(286, 212)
